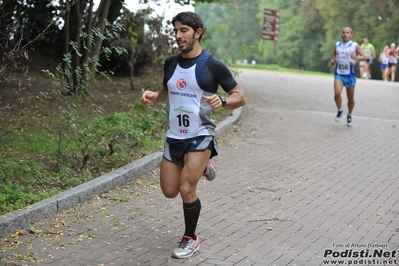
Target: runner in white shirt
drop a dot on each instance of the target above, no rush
(384, 63)
(345, 55)
(190, 84)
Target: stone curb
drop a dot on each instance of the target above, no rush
(23, 218)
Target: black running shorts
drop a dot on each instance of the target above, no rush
(175, 149)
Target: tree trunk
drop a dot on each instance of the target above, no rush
(76, 27)
(131, 61)
(101, 16)
(65, 49)
(89, 45)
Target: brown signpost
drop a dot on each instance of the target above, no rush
(271, 23)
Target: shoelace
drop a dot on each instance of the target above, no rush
(183, 243)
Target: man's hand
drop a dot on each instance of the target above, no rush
(332, 62)
(149, 97)
(214, 101)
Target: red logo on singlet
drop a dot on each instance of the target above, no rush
(181, 84)
(183, 131)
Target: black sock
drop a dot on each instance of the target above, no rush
(191, 216)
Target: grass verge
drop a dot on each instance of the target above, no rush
(46, 156)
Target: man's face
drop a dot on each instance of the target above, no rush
(185, 37)
(346, 34)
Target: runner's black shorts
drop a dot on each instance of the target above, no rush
(175, 149)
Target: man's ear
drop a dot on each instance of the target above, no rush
(198, 33)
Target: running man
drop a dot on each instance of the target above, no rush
(369, 51)
(191, 80)
(345, 55)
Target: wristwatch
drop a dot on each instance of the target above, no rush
(223, 101)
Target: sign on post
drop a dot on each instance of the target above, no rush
(271, 20)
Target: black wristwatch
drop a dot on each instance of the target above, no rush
(223, 101)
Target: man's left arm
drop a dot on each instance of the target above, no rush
(359, 55)
(235, 99)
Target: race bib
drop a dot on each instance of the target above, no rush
(385, 60)
(184, 120)
(343, 68)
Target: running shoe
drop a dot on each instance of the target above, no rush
(187, 247)
(349, 119)
(210, 172)
(339, 115)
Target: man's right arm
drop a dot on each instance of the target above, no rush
(162, 93)
(155, 96)
(334, 56)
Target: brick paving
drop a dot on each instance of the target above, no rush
(291, 183)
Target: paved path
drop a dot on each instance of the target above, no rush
(292, 185)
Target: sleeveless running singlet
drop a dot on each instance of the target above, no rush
(345, 64)
(188, 112)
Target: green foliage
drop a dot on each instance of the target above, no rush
(234, 27)
(307, 33)
(191, 2)
(40, 172)
(308, 29)
(23, 178)
(73, 143)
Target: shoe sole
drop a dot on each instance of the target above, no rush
(349, 124)
(338, 118)
(214, 175)
(187, 256)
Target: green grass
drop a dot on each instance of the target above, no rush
(42, 159)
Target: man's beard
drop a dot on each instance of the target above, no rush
(189, 47)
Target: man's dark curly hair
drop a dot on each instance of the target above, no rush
(190, 19)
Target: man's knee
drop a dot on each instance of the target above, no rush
(170, 194)
(169, 190)
(187, 190)
(351, 101)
